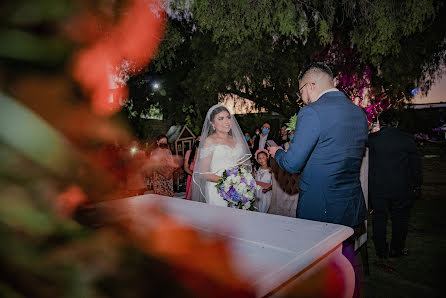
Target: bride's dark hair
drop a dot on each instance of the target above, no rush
(214, 112)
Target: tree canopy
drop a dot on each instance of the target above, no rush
(256, 49)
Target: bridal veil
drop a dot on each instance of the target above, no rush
(207, 154)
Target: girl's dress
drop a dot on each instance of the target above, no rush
(263, 200)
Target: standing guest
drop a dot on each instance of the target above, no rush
(286, 145)
(248, 140)
(328, 145)
(394, 175)
(283, 135)
(189, 163)
(264, 180)
(164, 166)
(254, 138)
(136, 181)
(256, 135)
(260, 141)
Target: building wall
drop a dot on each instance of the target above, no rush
(421, 120)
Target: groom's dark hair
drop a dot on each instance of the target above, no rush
(318, 66)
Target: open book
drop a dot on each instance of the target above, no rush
(263, 184)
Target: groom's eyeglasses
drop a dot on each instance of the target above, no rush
(299, 95)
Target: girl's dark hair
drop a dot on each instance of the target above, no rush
(212, 116)
(158, 138)
(262, 153)
(267, 161)
(192, 153)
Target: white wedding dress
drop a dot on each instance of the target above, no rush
(218, 152)
(223, 157)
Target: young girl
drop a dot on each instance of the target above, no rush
(264, 179)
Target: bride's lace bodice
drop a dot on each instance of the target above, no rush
(223, 157)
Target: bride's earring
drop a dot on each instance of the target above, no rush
(213, 127)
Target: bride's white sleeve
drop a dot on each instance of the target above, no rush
(204, 162)
(201, 174)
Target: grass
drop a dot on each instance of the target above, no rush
(421, 273)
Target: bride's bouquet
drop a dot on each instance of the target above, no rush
(237, 187)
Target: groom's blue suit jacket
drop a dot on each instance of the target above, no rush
(328, 147)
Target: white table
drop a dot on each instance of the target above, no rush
(274, 252)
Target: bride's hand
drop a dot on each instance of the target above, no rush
(211, 177)
(214, 178)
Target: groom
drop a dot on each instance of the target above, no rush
(327, 147)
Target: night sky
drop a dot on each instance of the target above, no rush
(436, 94)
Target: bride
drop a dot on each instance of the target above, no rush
(222, 147)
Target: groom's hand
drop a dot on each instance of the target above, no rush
(272, 150)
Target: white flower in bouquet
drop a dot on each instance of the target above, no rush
(247, 206)
(241, 188)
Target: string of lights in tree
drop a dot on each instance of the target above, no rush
(353, 94)
(354, 87)
(373, 110)
(355, 79)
